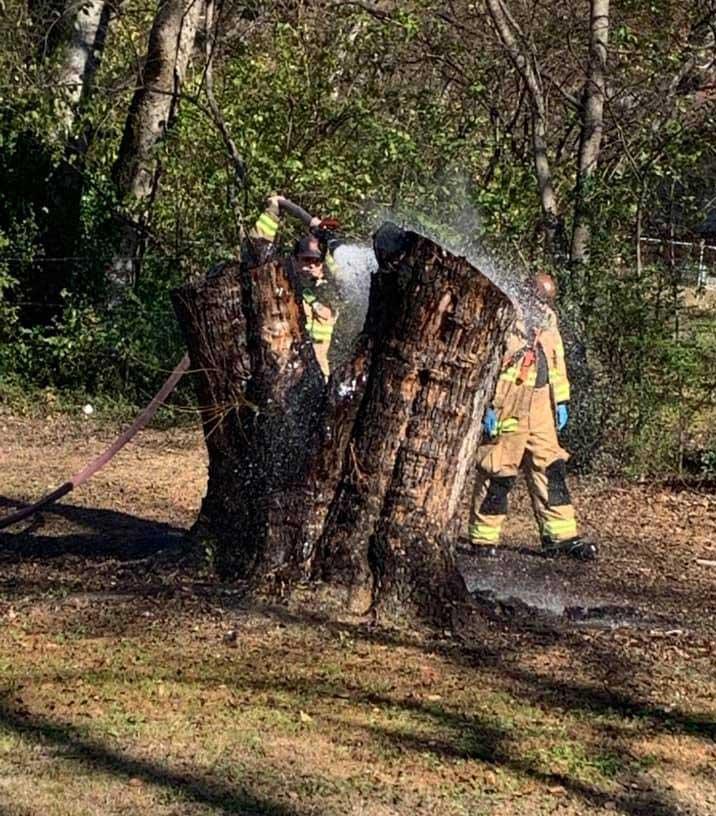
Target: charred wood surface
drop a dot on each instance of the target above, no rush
(261, 392)
(212, 318)
(359, 483)
(439, 330)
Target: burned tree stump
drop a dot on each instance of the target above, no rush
(244, 329)
(360, 484)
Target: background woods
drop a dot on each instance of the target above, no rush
(138, 137)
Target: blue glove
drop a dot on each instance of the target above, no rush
(562, 415)
(489, 423)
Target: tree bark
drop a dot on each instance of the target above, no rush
(74, 41)
(81, 59)
(592, 127)
(413, 443)
(261, 392)
(359, 484)
(507, 31)
(151, 113)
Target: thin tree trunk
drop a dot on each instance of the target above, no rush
(360, 483)
(507, 31)
(75, 44)
(81, 59)
(550, 212)
(76, 74)
(151, 113)
(592, 127)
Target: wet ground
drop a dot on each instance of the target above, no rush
(526, 585)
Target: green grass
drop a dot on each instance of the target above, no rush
(292, 721)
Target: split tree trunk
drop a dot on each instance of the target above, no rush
(360, 484)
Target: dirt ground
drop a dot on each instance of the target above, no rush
(131, 683)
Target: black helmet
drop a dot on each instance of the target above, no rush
(308, 247)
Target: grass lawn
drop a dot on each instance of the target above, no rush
(131, 684)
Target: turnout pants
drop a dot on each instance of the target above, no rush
(532, 446)
(321, 350)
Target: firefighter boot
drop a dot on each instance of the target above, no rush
(576, 548)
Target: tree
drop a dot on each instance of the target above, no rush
(361, 483)
(524, 61)
(151, 113)
(62, 58)
(592, 118)
(80, 60)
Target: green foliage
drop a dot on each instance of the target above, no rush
(354, 114)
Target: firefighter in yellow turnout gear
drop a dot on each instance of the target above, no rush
(311, 264)
(521, 426)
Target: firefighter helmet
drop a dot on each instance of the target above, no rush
(545, 287)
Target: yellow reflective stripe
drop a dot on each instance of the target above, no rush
(267, 226)
(331, 264)
(560, 385)
(320, 332)
(531, 377)
(560, 528)
(510, 374)
(484, 532)
(508, 425)
(561, 393)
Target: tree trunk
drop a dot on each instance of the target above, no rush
(80, 60)
(413, 443)
(261, 392)
(53, 166)
(359, 484)
(592, 127)
(523, 60)
(151, 113)
(65, 186)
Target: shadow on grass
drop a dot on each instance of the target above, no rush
(444, 733)
(92, 754)
(113, 534)
(451, 736)
(477, 741)
(582, 697)
(536, 688)
(457, 736)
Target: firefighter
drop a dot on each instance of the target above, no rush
(314, 265)
(529, 409)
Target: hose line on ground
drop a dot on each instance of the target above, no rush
(100, 461)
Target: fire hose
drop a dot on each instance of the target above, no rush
(145, 416)
(295, 210)
(100, 461)
(323, 230)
